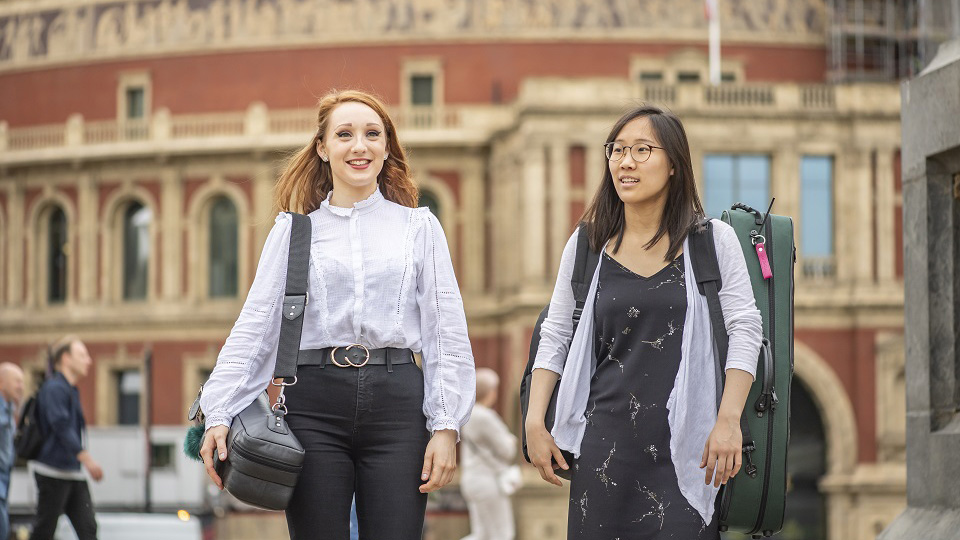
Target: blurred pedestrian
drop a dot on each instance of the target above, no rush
(61, 484)
(381, 287)
(636, 403)
(11, 395)
(489, 474)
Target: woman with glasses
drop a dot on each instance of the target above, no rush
(637, 403)
(380, 287)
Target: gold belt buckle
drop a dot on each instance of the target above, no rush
(333, 357)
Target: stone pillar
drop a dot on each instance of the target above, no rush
(88, 257)
(472, 222)
(171, 223)
(533, 217)
(931, 168)
(884, 216)
(559, 193)
(262, 208)
(16, 281)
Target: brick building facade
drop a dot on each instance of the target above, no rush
(123, 125)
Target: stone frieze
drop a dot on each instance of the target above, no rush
(61, 31)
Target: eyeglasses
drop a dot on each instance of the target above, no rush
(640, 152)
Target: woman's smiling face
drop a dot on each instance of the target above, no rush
(355, 145)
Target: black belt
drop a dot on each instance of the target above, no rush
(355, 356)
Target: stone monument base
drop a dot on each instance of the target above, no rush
(926, 523)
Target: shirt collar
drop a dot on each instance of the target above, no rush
(362, 207)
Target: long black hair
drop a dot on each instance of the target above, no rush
(605, 215)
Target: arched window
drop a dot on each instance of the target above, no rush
(136, 250)
(57, 256)
(430, 200)
(224, 248)
(806, 464)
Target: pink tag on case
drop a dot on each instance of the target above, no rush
(764, 262)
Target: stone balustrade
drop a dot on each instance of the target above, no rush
(256, 127)
(757, 99)
(465, 124)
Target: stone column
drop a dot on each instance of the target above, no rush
(559, 193)
(473, 226)
(931, 172)
(261, 209)
(854, 207)
(88, 258)
(16, 284)
(785, 181)
(533, 215)
(884, 211)
(171, 223)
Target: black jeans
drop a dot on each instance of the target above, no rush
(364, 432)
(71, 497)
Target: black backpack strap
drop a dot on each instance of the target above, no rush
(295, 298)
(583, 270)
(706, 270)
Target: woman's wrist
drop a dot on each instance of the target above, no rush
(534, 422)
(728, 415)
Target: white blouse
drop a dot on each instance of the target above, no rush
(692, 405)
(380, 275)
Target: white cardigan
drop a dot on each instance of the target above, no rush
(692, 405)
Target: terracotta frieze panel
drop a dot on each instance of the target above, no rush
(63, 31)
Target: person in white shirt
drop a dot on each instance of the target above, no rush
(637, 404)
(487, 465)
(380, 288)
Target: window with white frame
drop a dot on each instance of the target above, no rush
(816, 215)
(128, 386)
(422, 83)
(223, 248)
(733, 178)
(56, 260)
(136, 250)
(134, 93)
(133, 96)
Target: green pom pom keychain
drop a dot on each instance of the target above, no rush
(192, 442)
(194, 438)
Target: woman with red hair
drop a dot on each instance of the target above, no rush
(380, 280)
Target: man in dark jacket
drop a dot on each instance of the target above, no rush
(61, 484)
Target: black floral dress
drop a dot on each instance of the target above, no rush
(624, 483)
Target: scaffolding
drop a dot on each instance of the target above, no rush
(887, 40)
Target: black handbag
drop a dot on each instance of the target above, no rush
(264, 457)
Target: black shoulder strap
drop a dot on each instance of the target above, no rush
(583, 270)
(706, 270)
(295, 298)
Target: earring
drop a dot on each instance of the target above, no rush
(324, 158)
(385, 156)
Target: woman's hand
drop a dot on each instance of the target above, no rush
(214, 439)
(439, 461)
(723, 451)
(544, 453)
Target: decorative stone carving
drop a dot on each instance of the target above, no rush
(109, 28)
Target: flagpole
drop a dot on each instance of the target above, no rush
(714, 14)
